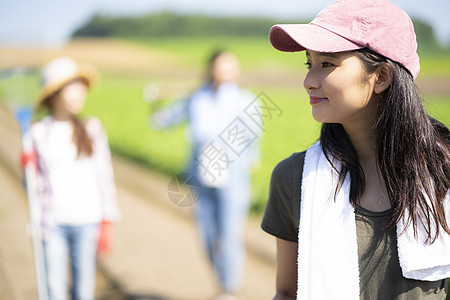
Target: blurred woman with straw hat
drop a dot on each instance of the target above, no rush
(76, 185)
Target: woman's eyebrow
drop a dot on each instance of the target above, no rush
(323, 54)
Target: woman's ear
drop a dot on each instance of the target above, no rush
(384, 78)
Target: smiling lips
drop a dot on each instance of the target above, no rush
(316, 100)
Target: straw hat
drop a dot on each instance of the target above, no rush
(60, 71)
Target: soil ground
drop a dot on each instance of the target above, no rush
(157, 252)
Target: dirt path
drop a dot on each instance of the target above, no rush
(164, 255)
(17, 278)
(157, 253)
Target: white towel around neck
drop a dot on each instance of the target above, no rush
(328, 250)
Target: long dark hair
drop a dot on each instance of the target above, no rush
(412, 152)
(80, 136)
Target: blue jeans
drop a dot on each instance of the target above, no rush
(79, 243)
(222, 219)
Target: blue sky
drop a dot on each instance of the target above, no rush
(50, 22)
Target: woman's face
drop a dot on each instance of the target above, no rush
(225, 68)
(339, 88)
(70, 100)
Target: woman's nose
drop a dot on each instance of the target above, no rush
(311, 81)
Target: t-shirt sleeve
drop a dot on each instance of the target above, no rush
(281, 216)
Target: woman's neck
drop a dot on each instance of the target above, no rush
(363, 139)
(374, 196)
(62, 116)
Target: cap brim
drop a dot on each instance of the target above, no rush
(299, 37)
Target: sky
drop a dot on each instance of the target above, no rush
(51, 22)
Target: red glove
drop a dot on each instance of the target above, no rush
(26, 158)
(105, 239)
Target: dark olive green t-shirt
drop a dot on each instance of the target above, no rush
(379, 268)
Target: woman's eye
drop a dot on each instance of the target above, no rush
(326, 65)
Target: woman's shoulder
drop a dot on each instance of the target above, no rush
(93, 124)
(291, 165)
(39, 127)
(247, 93)
(288, 174)
(282, 213)
(42, 122)
(205, 89)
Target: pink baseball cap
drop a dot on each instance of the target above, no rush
(354, 24)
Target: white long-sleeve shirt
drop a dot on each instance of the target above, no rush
(74, 190)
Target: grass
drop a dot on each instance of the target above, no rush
(125, 116)
(118, 104)
(252, 52)
(257, 51)
(435, 65)
(439, 108)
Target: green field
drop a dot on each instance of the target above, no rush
(119, 105)
(118, 101)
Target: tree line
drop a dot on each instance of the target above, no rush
(168, 24)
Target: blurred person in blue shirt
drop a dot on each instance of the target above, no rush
(225, 139)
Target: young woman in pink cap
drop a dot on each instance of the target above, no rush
(77, 191)
(364, 213)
